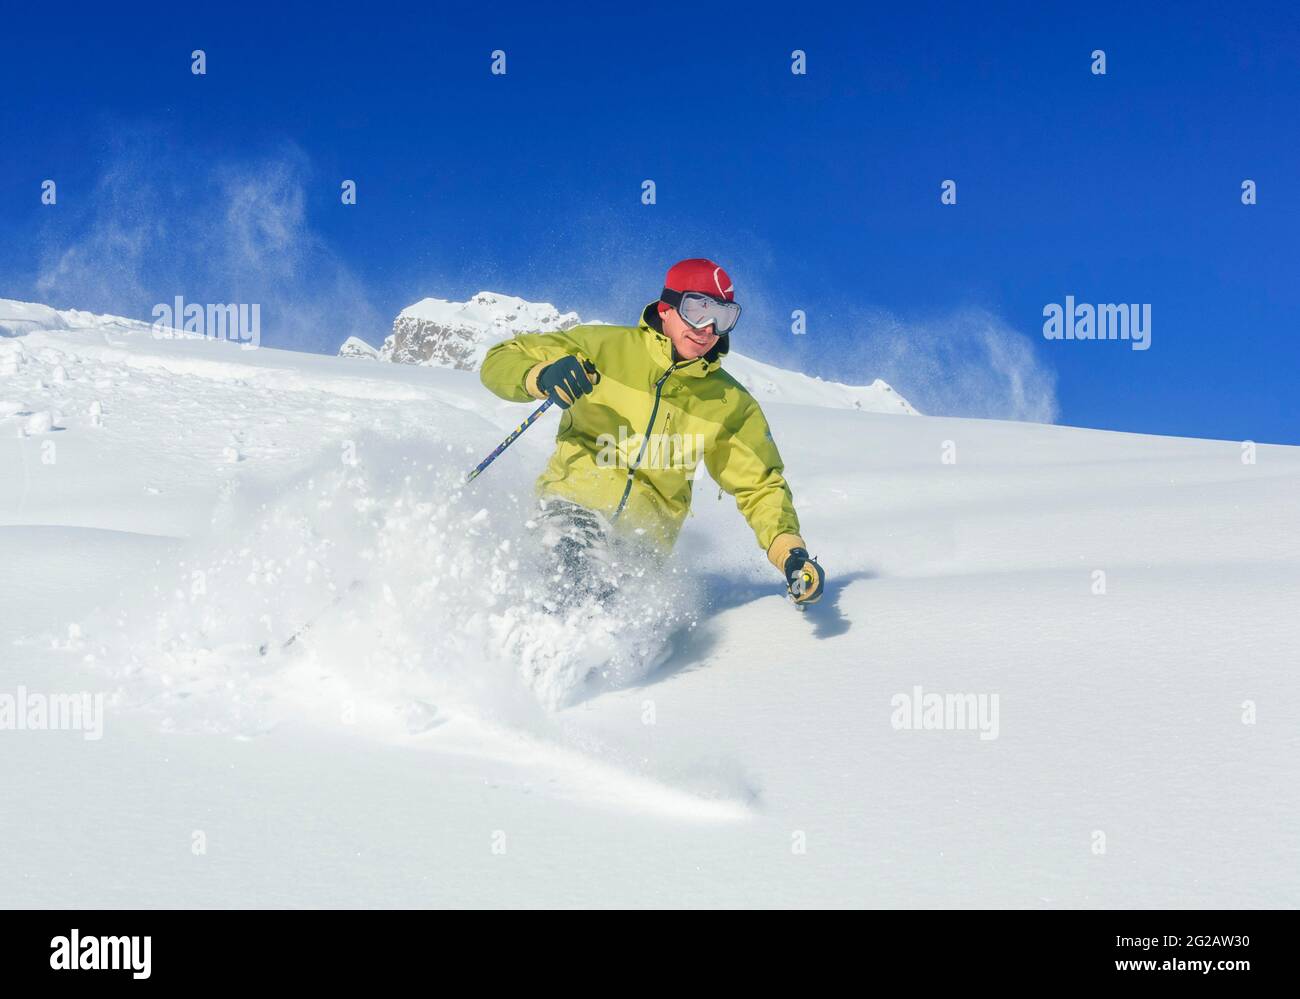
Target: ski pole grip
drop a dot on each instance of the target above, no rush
(592, 373)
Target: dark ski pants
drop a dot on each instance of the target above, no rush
(580, 544)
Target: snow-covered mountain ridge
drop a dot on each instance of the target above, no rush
(458, 334)
(440, 333)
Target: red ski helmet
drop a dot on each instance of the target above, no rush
(699, 274)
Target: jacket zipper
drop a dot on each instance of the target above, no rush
(645, 440)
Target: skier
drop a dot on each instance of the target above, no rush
(642, 406)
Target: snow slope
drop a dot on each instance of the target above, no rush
(767, 383)
(192, 500)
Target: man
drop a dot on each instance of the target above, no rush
(642, 406)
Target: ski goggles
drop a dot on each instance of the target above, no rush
(701, 310)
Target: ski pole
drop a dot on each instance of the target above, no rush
(592, 373)
(509, 440)
(265, 647)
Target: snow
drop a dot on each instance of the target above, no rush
(356, 347)
(396, 754)
(40, 423)
(458, 334)
(492, 312)
(17, 318)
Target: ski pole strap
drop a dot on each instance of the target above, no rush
(509, 440)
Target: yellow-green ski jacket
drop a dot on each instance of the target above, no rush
(630, 448)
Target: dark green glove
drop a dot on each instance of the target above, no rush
(567, 380)
(804, 577)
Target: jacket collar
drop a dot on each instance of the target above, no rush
(652, 327)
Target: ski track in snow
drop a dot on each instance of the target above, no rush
(409, 613)
(419, 608)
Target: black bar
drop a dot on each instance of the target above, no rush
(909, 949)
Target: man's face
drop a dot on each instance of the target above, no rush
(689, 342)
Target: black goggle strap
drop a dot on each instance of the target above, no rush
(670, 297)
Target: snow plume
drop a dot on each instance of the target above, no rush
(424, 600)
(265, 220)
(105, 266)
(166, 222)
(969, 363)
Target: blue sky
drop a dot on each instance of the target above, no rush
(818, 192)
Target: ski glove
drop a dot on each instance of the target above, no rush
(566, 380)
(804, 577)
